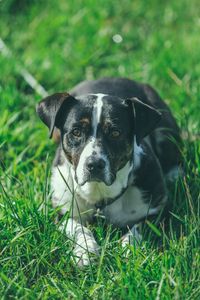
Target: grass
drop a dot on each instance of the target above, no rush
(62, 43)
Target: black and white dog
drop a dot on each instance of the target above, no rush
(118, 143)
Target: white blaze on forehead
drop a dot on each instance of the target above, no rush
(97, 112)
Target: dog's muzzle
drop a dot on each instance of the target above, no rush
(96, 170)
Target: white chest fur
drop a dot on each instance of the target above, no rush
(67, 194)
(129, 208)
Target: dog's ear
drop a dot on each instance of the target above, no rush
(146, 118)
(50, 109)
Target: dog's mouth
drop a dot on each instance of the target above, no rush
(107, 180)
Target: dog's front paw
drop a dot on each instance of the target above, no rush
(126, 240)
(133, 237)
(85, 253)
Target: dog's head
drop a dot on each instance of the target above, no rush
(97, 131)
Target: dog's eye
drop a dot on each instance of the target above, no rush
(76, 132)
(115, 133)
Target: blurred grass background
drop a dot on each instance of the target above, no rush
(62, 43)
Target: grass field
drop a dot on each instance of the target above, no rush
(61, 43)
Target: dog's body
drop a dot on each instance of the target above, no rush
(114, 154)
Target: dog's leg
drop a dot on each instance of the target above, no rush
(84, 241)
(132, 237)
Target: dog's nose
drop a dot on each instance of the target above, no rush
(97, 164)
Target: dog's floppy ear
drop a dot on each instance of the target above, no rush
(146, 118)
(49, 109)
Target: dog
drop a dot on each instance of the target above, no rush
(118, 145)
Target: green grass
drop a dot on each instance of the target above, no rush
(61, 43)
